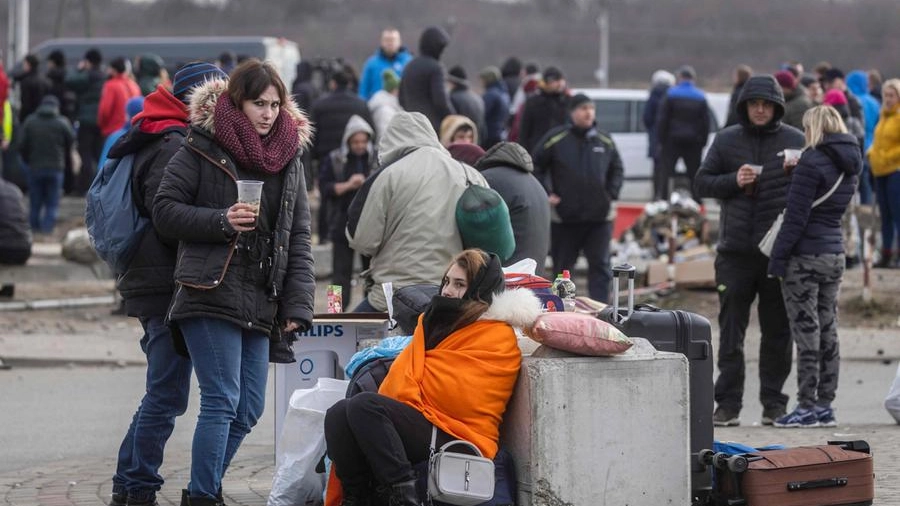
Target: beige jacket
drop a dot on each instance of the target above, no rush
(404, 216)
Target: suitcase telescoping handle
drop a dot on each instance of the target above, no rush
(619, 270)
(795, 486)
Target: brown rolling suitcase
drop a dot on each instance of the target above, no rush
(839, 473)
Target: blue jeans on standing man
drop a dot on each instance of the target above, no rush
(44, 191)
(167, 391)
(232, 365)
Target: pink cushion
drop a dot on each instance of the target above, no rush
(579, 333)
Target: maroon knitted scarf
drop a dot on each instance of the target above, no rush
(236, 134)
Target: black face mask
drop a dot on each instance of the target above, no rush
(439, 319)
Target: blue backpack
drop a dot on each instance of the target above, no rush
(113, 220)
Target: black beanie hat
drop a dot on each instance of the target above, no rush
(488, 280)
(578, 100)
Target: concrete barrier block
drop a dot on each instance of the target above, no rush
(587, 431)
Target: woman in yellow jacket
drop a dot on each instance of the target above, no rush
(456, 375)
(884, 156)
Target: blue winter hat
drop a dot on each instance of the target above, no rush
(134, 106)
(194, 74)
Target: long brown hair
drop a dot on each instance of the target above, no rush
(251, 79)
(471, 261)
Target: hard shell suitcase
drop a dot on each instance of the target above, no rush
(837, 474)
(680, 332)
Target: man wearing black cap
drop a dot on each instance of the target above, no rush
(545, 110)
(147, 286)
(582, 172)
(743, 170)
(87, 84)
(682, 127)
(463, 100)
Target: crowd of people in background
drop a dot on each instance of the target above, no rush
(389, 150)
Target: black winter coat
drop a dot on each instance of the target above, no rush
(745, 219)
(422, 86)
(541, 113)
(148, 283)
(807, 230)
(583, 168)
(254, 280)
(330, 115)
(32, 88)
(467, 103)
(508, 169)
(651, 111)
(47, 139)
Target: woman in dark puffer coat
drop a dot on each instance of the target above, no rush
(239, 276)
(809, 255)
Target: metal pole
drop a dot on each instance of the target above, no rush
(10, 33)
(603, 25)
(22, 16)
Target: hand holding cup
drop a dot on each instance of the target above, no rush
(242, 215)
(748, 174)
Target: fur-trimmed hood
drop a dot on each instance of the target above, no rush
(518, 307)
(203, 105)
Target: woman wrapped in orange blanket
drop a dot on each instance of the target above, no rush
(457, 375)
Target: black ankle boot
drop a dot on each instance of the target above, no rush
(404, 494)
(356, 496)
(187, 500)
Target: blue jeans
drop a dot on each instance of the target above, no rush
(44, 190)
(167, 391)
(888, 195)
(231, 364)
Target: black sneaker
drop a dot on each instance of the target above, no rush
(724, 417)
(769, 415)
(119, 499)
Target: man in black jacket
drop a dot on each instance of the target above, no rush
(147, 287)
(544, 111)
(751, 198)
(582, 172)
(422, 86)
(32, 86)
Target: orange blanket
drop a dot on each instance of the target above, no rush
(463, 385)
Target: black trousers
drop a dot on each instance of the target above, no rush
(740, 278)
(570, 239)
(373, 437)
(690, 152)
(90, 145)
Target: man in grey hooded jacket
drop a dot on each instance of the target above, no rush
(403, 217)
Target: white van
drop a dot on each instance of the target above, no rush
(620, 112)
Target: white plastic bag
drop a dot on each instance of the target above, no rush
(302, 445)
(892, 401)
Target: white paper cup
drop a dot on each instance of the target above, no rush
(250, 192)
(792, 155)
(757, 169)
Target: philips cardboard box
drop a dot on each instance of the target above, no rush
(323, 351)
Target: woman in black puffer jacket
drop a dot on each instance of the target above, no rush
(239, 277)
(809, 256)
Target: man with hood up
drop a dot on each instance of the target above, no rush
(341, 174)
(750, 203)
(403, 217)
(422, 86)
(507, 167)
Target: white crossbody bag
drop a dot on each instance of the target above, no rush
(768, 240)
(459, 478)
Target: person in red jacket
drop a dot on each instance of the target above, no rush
(117, 90)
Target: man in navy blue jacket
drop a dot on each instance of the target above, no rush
(682, 127)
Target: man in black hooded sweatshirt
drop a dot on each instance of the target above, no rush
(750, 202)
(422, 86)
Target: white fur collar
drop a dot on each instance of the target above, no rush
(518, 307)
